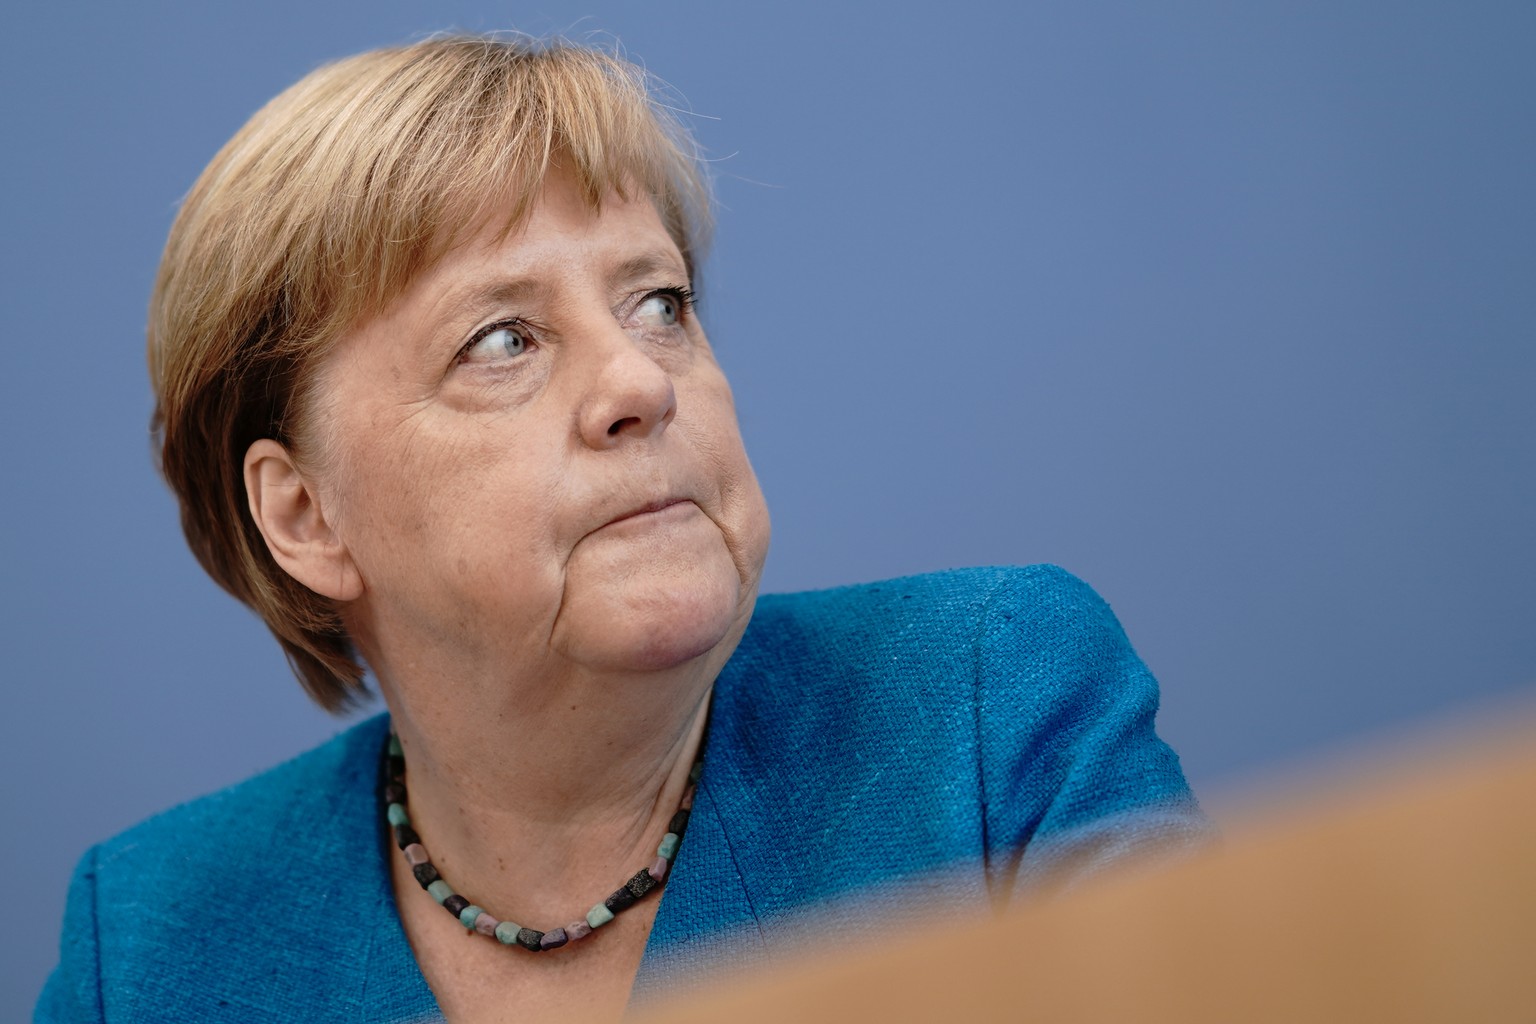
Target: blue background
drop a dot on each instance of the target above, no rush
(1226, 307)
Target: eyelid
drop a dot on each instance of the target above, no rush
(681, 294)
(517, 323)
(481, 333)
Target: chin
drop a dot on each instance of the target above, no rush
(650, 625)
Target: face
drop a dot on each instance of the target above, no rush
(532, 454)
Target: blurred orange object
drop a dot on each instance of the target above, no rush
(1405, 895)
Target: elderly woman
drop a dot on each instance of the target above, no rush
(435, 400)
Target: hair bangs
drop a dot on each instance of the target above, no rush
(471, 140)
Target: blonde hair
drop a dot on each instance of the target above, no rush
(321, 209)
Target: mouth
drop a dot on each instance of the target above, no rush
(650, 508)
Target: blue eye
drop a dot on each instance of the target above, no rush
(500, 341)
(663, 309)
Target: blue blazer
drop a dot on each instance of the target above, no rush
(954, 737)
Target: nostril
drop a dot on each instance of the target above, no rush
(619, 425)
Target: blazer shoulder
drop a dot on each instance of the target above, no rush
(276, 856)
(925, 638)
(943, 613)
(935, 599)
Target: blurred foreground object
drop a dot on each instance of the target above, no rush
(1401, 895)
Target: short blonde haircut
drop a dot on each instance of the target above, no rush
(322, 208)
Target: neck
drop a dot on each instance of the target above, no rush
(541, 797)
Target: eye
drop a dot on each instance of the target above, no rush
(496, 342)
(665, 308)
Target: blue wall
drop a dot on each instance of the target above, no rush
(1226, 307)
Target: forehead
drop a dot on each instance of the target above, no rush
(563, 239)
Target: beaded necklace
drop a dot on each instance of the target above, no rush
(509, 933)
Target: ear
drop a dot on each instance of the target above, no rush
(287, 511)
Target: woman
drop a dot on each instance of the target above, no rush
(434, 400)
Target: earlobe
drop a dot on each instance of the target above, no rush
(289, 515)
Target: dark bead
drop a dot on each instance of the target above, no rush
(554, 939)
(396, 767)
(621, 900)
(678, 824)
(455, 904)
(405, 836)
(394, 793)
(425, 874)
(530, 939)
(641, 884)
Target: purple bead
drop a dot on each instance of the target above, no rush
(554, 939)
(394, 793)
(658, 870)
(485, 924)
(416, 854)
(578, 931)
(455, 904)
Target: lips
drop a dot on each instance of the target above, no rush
(647, 509)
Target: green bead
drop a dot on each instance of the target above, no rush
(599, 916)
(440, 890)
(395, 750)
(397, 815)
(506, 933)
(468, 914)
(668, 845)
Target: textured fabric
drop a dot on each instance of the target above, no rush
(955, 737)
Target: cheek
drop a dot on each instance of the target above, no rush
(749, 546)
(425, 507)
(381, 482)
(743, 512)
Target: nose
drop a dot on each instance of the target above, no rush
(631, 396)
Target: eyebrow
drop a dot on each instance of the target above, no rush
(471, 301)
(647, 264)
(476, 299)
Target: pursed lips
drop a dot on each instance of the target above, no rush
(646, 509)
